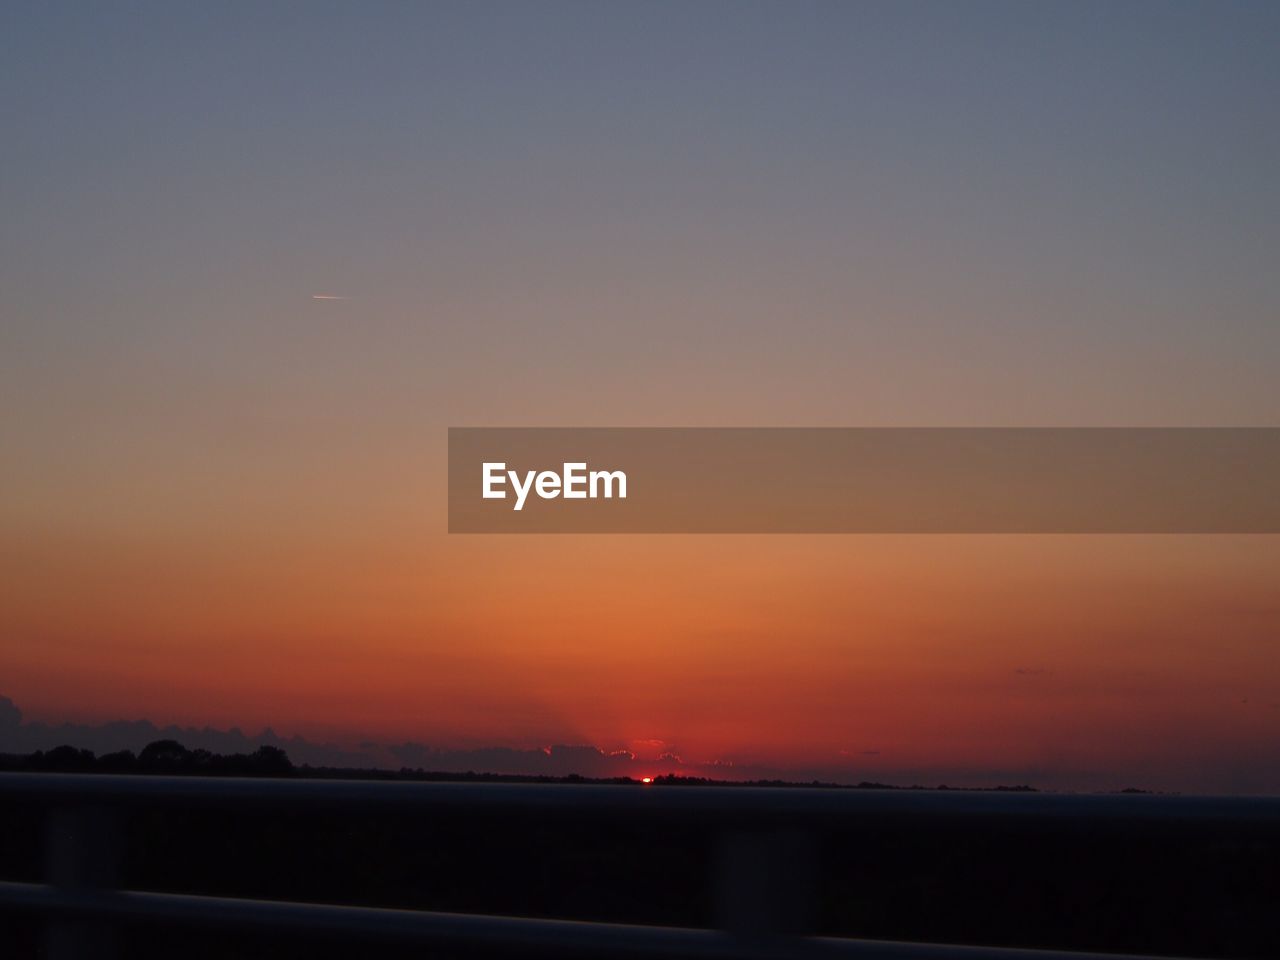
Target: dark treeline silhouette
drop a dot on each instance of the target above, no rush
(159, 757)
(20, 737)
(169, 757)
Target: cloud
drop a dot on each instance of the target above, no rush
(19, 737)
(10, 715)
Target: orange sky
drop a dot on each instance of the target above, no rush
(223, 501)
(1071, 659)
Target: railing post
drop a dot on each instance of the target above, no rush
(765, 888)
(82, 850)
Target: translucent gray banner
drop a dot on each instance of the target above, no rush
(864, 480)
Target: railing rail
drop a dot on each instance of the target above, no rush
(758, 826)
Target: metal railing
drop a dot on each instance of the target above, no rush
(765, 858)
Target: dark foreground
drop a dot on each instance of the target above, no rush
(1137, 874)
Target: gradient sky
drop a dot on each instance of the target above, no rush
(223, 500)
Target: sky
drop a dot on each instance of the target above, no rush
(224, 499)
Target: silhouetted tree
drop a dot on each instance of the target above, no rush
(269, 761)
(168, 755)
(65, 759)
(122, 761)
